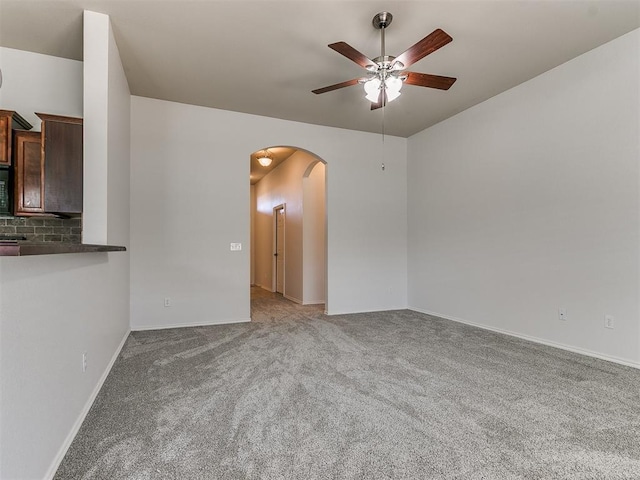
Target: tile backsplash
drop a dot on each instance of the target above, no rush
(39, 229)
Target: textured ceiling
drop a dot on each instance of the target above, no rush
(265, 57)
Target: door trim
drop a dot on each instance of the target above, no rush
(274, 268)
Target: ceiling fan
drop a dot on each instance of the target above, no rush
(386, 73)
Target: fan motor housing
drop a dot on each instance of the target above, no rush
(384, 61)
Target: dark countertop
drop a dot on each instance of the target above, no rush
(15, 249)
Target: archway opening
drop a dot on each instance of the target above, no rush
(289, 224)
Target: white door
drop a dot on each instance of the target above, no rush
(280, 218)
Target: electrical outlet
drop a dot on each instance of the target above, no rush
(608, 321)
(167, 301)
(84, 362)
(562, 313)
(236, 247)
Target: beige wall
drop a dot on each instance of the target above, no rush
(252, 233)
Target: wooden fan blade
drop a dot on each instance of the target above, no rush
(429, 44)
(352, 54)
(336, 86)
(431, 81)
(381, 101)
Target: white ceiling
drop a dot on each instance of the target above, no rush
(265, 57)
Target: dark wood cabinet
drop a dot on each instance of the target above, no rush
(5, 138)
(8, 121)
(28, 174)
(48, 168)
(62, 153)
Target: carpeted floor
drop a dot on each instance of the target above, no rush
(401, 395)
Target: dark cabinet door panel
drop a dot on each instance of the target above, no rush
(29, 173)
(5, 140)
(9, 120)
(62, 167)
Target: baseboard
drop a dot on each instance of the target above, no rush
(354, 312)
(549, 343)
(314, 302)
(293, 299)
(300, 302)
(186, 325)
(78, 423)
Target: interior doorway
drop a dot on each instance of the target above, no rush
(279, 218)
(289, 224)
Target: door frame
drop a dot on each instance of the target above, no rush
(274, 268)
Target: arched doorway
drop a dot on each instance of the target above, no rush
(293, 186)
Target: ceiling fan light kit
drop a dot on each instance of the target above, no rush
(386, 74)
(372, 89)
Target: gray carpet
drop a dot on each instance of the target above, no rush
(299, 395)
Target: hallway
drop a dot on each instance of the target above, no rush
(272, 307)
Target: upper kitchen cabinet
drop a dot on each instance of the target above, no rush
(48, 168)
(9, 120)
(62, 151)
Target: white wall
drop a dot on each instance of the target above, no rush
(314, 235)
(96, 112)
(530, 201)
(32, 82)
(107, 105)
(118, 151)
(55, 307)
(190, 199)
(282, 186)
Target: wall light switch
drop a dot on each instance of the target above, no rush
(562, 314)
(608, 321)
(236, 247)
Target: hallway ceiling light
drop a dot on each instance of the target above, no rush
(265, 159)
